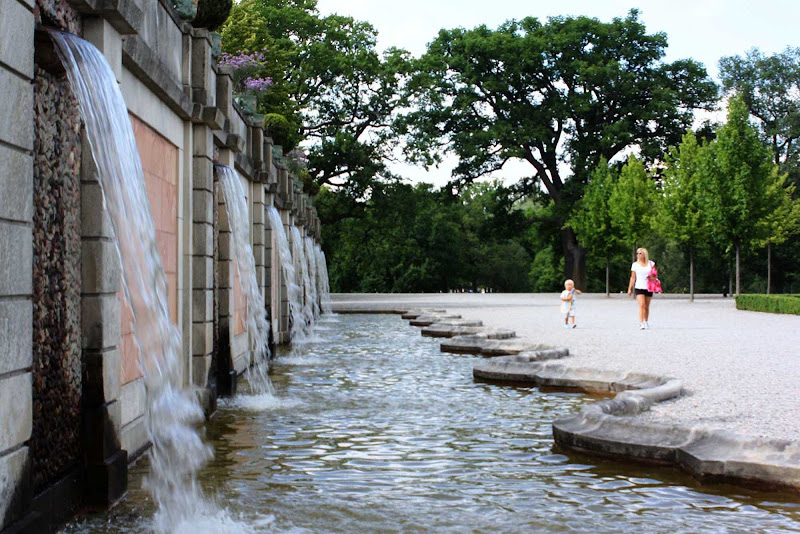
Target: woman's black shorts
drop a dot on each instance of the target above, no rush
(646, 293)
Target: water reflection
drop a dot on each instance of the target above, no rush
(388, 434)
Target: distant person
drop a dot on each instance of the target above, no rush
(640, 284)
(568, 303)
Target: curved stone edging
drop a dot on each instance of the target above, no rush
(607, 427)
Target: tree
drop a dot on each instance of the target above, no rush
(591, 221)
(632, 203)
(770, 87)
(682, 214)
(332, 87)
(559, 96)
(742, 180)
(783, 216)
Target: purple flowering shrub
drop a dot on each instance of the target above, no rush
(246, 67)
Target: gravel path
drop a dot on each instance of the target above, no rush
(741, 369)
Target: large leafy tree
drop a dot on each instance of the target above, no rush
(682, 213)
(745, 184)
(559, 96)
(770, 87)
(335, 93)
(632, 204)
(592, 219)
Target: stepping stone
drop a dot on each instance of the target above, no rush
(443, 330)
(427, 320)
(480, 344)
(413, 314)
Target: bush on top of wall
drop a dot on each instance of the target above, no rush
(769, 303)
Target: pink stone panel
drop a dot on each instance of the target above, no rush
(160, 165)
(239, 303)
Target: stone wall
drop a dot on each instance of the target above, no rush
(57, 384)
(71, 407)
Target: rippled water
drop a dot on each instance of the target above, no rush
(376, 430)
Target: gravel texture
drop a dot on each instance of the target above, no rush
(741, 369)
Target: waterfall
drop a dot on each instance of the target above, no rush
(303, 279)
(257, 322)
(311, 261)
(324, 284)
(172, 412)
(295, 292)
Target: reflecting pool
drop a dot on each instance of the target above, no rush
(375, 430)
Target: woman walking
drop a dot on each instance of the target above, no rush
(640, 274)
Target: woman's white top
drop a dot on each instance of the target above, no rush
(642, 271)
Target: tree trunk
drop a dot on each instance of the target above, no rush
(769, 268)
(738, 268)
(691, 273)
(608, 277)
(574, 258)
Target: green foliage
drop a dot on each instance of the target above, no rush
(682, 214)
(528, 89)
(632, 203)
(769, 303)
(574, 90)
(336, 92)
(592, 220)
(413, 239)
(283, 132)
(770, 88)
(545, 274)
(739, 172)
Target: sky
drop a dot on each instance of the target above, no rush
(704, 30)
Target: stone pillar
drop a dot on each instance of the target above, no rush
(203, 76)
(203, 202)
(16, 253)
(258, 238)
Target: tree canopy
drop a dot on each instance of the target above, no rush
(560, 96)
(336, 92)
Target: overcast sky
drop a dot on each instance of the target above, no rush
(704, 30)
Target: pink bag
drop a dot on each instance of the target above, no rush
(653, 283)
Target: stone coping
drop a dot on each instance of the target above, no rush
(609, 427)
(446, 330)
(427, 320)
(413, 314)
(480, 344)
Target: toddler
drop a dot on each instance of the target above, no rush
(568, 303)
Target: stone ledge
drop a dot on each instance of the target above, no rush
(138, 58)
(445, 330)
(480, 344)
(609, 427)
(413, 314)
(427, 320)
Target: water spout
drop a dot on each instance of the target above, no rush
(324, 283)
(256, 317)
(295, 292)
(172, 411)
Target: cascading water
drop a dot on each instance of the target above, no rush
(324, 284)
(303, 279)
(295, 292)
(171, 413)
(311, 261)
(256, 318)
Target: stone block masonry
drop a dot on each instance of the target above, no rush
(16, 257)
(71, 397)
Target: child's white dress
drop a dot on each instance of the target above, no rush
(566, 309)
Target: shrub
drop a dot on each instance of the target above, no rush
(769, 303)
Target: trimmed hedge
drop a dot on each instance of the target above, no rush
(769, 303)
